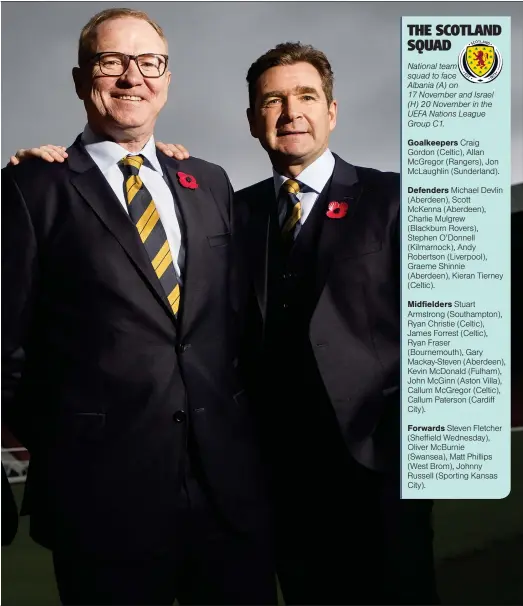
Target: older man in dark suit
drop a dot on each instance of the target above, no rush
(119, 350)
(322, 350)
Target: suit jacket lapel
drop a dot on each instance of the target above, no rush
(262, 227)
(264, 251)
(97, 192)
(306, 243)
(200, 217)
(344, 187)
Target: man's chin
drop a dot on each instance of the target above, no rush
(124, 122)
(291, 155)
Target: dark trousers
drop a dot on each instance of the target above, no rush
(211, 564)
(345, 537)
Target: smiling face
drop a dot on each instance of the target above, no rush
(291, 116)
(124, 107)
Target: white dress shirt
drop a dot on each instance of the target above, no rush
(314, 177)
(107, 154)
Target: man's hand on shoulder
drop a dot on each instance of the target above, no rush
(49, 153)
(57, 153)
(174, 150)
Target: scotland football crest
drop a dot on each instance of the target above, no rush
(480, 62)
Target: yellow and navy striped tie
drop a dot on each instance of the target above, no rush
(144, 214)
(293, 205)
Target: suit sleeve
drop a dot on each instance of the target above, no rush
(19, 256)
(237, 274)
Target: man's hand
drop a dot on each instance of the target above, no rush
(175, 150)
(50, 153)
(57, 153)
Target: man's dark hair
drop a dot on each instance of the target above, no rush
(289, 53)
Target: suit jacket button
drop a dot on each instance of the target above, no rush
(179, 416)
(183, 347)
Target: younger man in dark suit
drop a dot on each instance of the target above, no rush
(328, 291)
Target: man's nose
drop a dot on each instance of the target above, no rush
(292, 108)
(132, 74)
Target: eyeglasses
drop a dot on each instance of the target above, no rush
(116, 64)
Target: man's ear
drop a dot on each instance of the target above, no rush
(77, 77)
(252, 123)
(333, 113)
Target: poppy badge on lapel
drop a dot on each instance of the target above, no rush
(186, 180)
(337, 210)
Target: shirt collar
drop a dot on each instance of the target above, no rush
(315, 176)
(107, 153)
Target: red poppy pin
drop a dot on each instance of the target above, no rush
(337, 210)
(186, 180)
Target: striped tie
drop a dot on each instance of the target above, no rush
(144, 214)
(292, 210)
